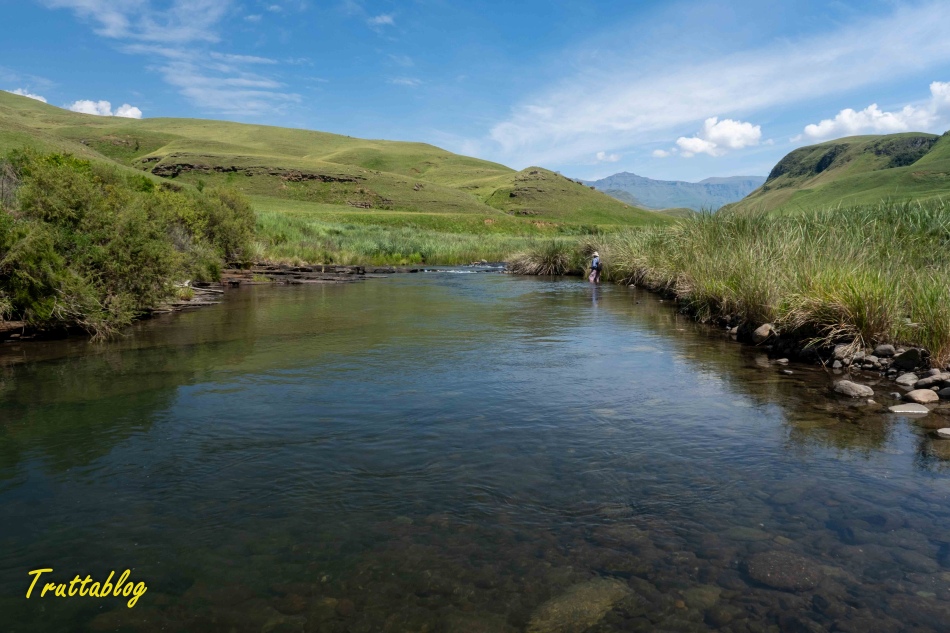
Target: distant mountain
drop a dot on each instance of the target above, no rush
(711, 193)
(856, 170)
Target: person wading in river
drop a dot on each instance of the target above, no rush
(595, 268)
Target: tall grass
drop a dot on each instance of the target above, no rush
(866, 275)
(295, 239)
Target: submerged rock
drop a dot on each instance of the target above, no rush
(853, 390)
(579, 608)
(922, 396)
(910, 409)
(783, 570)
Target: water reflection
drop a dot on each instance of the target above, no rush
(462, 453)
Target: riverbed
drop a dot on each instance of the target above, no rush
(460, 452)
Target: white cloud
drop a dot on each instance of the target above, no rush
(127, 111)
(99, 108)
(384, 19)
(178, 21)
(104, 108)
(242, 59)
(226, 89)
(24, 93)
(940, 91)
(174, 33)
(402, 60)
(253, 18)
(873, 120)
(604, 157)
(718, 136)
(406, 81)
(660, 153)
(626, 101)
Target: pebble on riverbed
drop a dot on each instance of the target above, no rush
(783, 570)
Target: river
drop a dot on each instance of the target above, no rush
(460, 452)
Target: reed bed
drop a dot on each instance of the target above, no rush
(867, 275)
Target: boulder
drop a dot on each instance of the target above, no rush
(931, 381)
(841, 352)
(943, 434)
(763, 333)
(909, 409)
(910, 359)
(579, 608)
(922, 396)
(783, 570)
(944, 393)
(853, 390)
(907, 380)
(884, 351)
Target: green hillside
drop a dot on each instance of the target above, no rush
(318, 172)
(856, 170)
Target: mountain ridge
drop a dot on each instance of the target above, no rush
(709, 193)
(855, 170)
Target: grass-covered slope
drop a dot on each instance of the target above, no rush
(854, 171)
(314, 168)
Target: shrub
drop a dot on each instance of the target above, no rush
(84, 244)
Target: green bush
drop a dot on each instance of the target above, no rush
(88, 245)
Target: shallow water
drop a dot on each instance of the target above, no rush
(441, 452)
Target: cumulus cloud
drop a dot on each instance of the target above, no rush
(104, 108)
(718, 136)
(604, 157)
(660, 153)
(626, 101)
(873, 120)
(24, 93)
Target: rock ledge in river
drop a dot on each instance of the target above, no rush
(913, 409)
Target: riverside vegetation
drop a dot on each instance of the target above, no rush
(863, 275)
(83, 244)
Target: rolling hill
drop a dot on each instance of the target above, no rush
(709, 194)
(853, 171)
(316, 170)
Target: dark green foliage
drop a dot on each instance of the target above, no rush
(83, 244)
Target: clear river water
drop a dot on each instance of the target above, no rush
(446, 452)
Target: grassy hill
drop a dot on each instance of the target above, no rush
(319, 174)
(857, 170)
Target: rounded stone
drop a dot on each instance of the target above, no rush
(944, 433)
(853, 390)
(922, 396)
(783, 570)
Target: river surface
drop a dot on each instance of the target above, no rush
(446, 452)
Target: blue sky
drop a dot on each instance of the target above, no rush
(673, 90)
